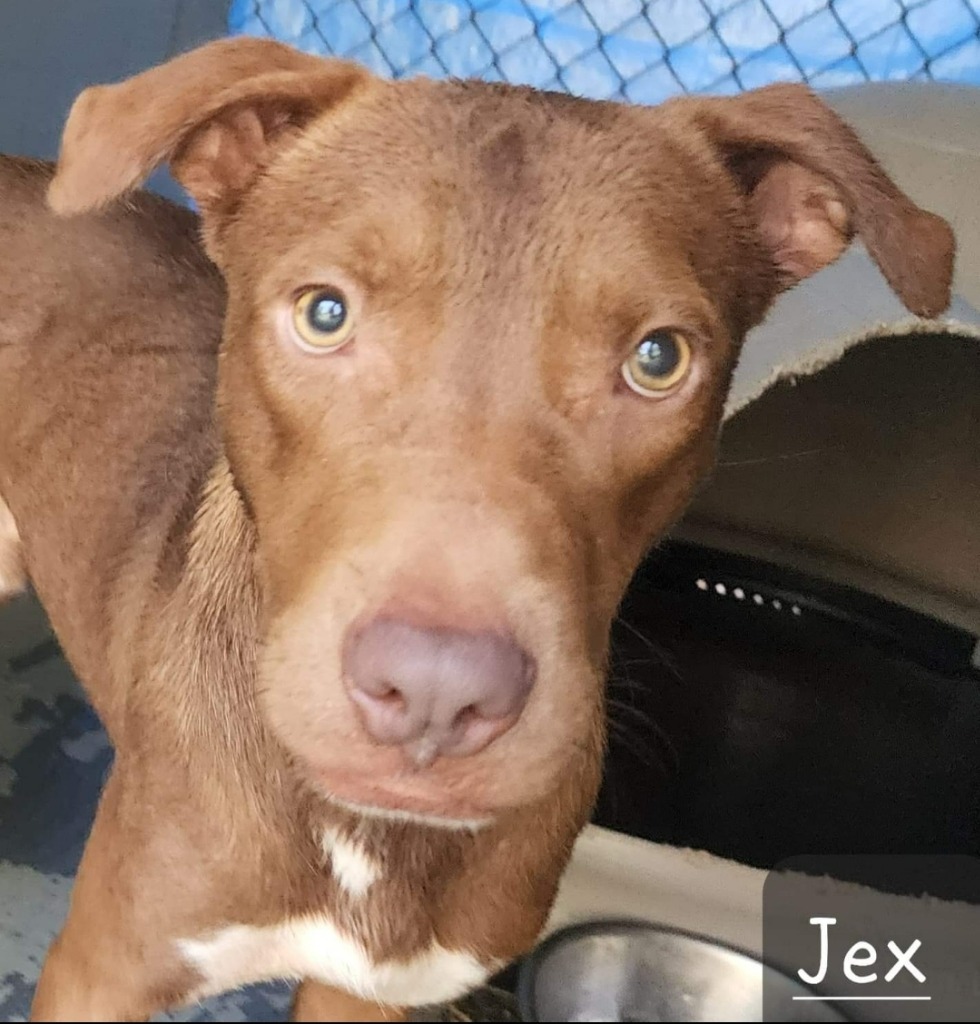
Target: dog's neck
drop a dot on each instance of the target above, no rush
(221, 550)
(207, 634)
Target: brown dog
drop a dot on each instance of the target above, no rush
(337, 564)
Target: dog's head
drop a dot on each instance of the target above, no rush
(477, 346)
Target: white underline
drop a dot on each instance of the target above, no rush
(866, 999)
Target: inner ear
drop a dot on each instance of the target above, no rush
(219, 160)
(801, 217)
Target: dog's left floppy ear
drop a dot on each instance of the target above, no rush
(215, 114)
(812, 185)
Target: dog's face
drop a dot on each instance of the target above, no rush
(515, 380)
(477, 348)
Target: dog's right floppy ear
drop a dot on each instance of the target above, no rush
(215, 113)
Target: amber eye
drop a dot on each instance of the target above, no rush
(659, 363)
(321, 319)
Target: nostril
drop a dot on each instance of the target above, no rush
(385, 709)
(466, 715)
(390, 697)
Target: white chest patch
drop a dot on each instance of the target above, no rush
(353, 868)
(313, 947)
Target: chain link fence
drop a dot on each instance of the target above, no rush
(626, 49)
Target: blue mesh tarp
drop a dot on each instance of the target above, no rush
(637, 51)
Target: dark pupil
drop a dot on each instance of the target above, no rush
(658, 355)
(326, 313)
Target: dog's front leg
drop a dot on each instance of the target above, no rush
(317, 1002)
(105, 965)
(77, 985)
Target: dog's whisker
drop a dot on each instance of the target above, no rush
(779, 457)
(661, 655)
(638, 717)
(636, 746)
(632, 628)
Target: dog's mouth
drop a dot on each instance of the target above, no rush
(402, 801)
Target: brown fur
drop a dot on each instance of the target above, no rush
(205, 509)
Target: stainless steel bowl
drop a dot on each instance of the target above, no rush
(636, 971)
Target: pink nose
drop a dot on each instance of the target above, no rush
(435, 691)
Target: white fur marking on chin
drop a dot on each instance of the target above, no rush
(355, 870)
(313, 947)
(431, 820)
